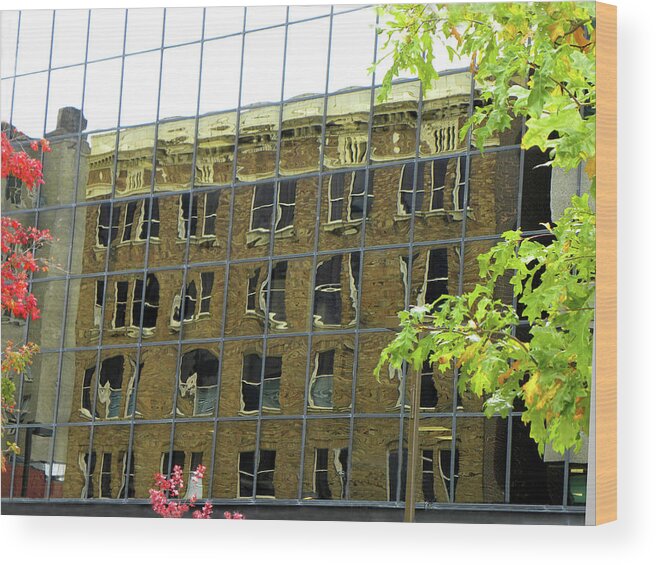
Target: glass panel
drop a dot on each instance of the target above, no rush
(241, 359)
(135, 161)
(336, 291)
(192, 446)
(35, 394)
(8, 41)
(221, 92)
(493, 192)
(258, 143)
(175, 151)
(34, 41)
(144, 29)
(295, 219)
(70, 37)
(210, 243)
(279, 461)
(47, 329)
(65, 101)
(445, 109)
(235, 460)
(391, 205)
(352, 50)
(56, 253)
(169, 222)
(293, 353)
(331, 376)
(30, 469)
(69, 404)
(303, 12)
(374, 440)
(140, 89)
(198, 375)
(481, 448)
(265, 16)
(60, 169)
(101, 98)
(154, 398)
(151, 445)
(435, 271)
(383, 288)
(325, 472)
(372, 396)
(252, 218)
(179, 89)
(532, 480)
(203, 316)
(307, 51)
(183, 25)
(223, 21)
(6, 100)
(106, 33)
(29, 111)
(536, 190)
(246, 301)
(263, 61)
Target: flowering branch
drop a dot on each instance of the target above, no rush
(165, 498)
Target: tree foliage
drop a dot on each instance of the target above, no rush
(534, 61)
(18, 244)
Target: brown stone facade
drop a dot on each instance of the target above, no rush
(139, 359)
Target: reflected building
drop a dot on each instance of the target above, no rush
(224, 286)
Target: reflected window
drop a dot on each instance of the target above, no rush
(109, 386)
(197, 299)
(406, 189)
(321, 483)
(106, 476)
(98, 303)
(459, 184)
(253, 379)
(131, 404)
(109, 218)
(361, 194)
(327, 292)
(438, 184)
(87, 392)
(428, 475)
(336, 197)
(128, 223)
(436, 278)
(150, 304)
(127, 475)
(264, 485)
(13, 190)
(148, 220)
(120, 304)
(446, 475)
(577, 484)
(393, 473)
(178, 459)
(428, 398)
(87, 466)
(210, 207)
(193, 207)
(321, 383)
(199, 374)
(187, 216)
(256, 294)
(328, 288)
(284, 193)
(330, 469)
(170, 461)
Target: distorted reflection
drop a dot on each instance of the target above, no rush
(236, 227)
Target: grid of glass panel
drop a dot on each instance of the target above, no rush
(237, 220)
